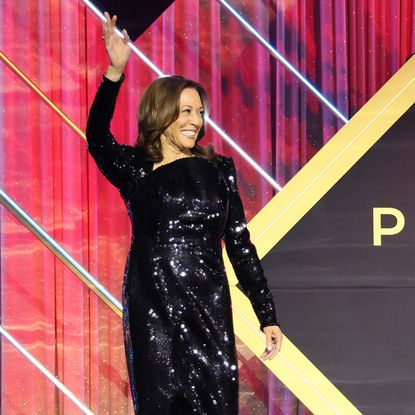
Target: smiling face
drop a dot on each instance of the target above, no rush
(182, 133)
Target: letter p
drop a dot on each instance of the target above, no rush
(378, 231)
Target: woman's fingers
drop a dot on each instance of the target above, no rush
(108, 27)
(273, 340)
(267, 352)
(113, 21)
(109, 24)
(105, 28)
(272, 355)
(126, 36)
(116, 45)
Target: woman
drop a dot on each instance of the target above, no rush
(182, 200)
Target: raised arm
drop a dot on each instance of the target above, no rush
(114, 160)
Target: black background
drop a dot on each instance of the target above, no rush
(135, 16)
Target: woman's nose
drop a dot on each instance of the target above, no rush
(195, 120)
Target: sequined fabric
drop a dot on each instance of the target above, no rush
(178, 329)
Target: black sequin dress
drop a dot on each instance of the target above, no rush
(178, 327)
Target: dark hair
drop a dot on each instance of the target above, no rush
(159, 107)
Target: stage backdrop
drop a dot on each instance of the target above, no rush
(348, 49)
(344, 273)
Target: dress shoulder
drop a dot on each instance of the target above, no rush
(224, 164)
(222, 160)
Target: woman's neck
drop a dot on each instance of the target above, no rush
(171, 155)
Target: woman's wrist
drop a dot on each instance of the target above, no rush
(114, 74)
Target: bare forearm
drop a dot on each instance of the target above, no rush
(113, 74)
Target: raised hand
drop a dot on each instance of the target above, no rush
(117, 48)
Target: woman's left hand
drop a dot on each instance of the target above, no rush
(273, 338)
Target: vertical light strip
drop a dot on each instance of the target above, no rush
(219, 130)
(274, 52)
(45, 371)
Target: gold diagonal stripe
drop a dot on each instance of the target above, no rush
(47, 100)
(284, 211)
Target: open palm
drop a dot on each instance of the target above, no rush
(117, 48)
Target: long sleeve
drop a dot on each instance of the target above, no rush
(243, 255)
(114, 160)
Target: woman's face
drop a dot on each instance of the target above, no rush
(182, 133)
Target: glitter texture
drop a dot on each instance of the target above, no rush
(178, 330)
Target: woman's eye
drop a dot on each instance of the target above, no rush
(201, 113)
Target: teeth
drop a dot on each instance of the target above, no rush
(189, 133)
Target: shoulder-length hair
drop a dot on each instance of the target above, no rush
(159, 107)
